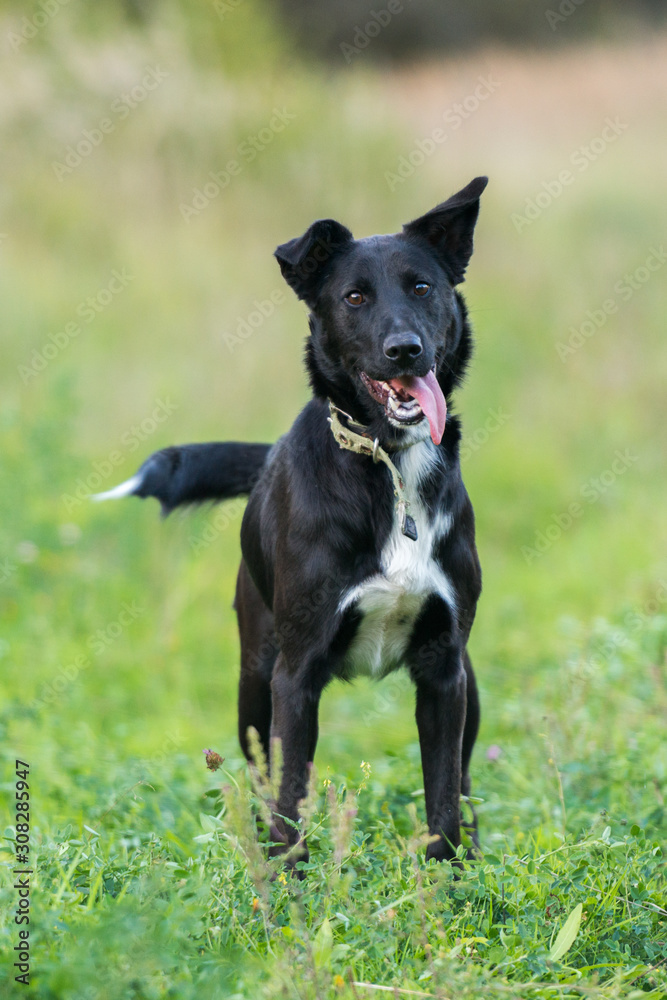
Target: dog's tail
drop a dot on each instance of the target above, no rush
(195, 473)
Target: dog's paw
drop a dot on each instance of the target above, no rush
(289, 852)
(440, 849)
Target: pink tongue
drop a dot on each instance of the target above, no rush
(429, 395)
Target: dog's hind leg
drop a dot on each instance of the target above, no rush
(469, 736)
(258, 655)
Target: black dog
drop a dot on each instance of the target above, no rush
(358, 538)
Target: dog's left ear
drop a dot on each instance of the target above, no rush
(449, 227)
(304, 261)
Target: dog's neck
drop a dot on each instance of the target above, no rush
(350, 436)
(353, 435)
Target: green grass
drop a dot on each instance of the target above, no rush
(118, 640)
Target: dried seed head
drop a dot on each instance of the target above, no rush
(213, 759)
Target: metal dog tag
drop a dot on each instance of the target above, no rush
(408, 526)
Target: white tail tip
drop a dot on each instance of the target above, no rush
(125, 489)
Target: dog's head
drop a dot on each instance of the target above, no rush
(389, 337)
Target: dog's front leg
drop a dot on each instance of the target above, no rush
(441, 712)
(294, 724)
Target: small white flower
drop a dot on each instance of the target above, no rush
(26, 552)
(69, 533)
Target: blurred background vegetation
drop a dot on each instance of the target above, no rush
(141, 306)
(429, 27)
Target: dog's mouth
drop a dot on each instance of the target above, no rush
(410, 398)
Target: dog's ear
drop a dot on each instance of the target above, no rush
(448, 228)
(304, 261)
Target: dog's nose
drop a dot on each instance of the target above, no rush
(402, 347)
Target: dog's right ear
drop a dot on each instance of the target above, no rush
(304, 261)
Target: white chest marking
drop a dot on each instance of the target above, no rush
(391, 600)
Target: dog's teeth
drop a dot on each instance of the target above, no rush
(401, 406)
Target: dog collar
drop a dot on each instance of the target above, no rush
(362, 444)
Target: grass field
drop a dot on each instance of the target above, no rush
(143, 308)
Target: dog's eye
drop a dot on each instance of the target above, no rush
(354, 299)
(421, 288)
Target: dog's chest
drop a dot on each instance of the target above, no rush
(390, 601)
